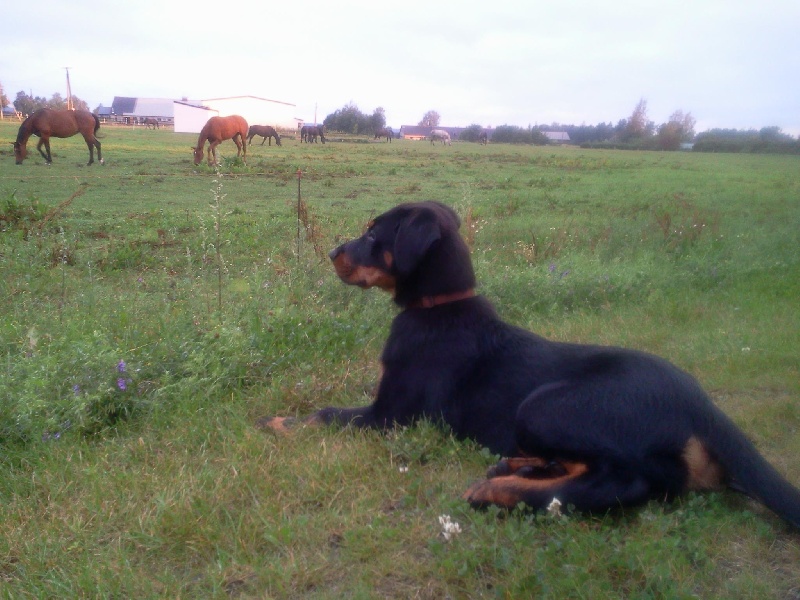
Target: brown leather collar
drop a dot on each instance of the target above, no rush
(431, 301)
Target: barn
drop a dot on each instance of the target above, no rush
(131, 111)
(190, 117)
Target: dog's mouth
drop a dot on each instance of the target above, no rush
(361, 275)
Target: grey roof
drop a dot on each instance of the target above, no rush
(142, 107)
(123, 105)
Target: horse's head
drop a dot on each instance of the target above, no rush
(20, 151)
(198, 154)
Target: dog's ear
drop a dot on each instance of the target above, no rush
(414, 238)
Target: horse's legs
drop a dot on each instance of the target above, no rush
(212, 149)
(46, 142)
(241, 147)
(90, 144)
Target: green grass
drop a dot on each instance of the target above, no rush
(198, 282)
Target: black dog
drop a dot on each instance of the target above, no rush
(595, 427)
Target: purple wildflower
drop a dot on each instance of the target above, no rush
(121, 366)
(76, 389)
(122, 384)
(552, 268)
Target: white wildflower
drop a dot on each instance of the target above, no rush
(449, 528)
(554, 508)
(403, 469)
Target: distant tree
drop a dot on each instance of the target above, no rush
(27, 104)
(679, 129)
(378, 120)
(430, 119)
(4, 101)
(637, 125)
(56, 102)
(348, 119)
(511, 134)
(79, 104)
(774, 134)
(767, 140)
(471, 133)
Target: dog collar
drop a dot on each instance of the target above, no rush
(431, 301)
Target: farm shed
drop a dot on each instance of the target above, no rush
(421, 132)
(257, 111)
(558, 137)
(190, 118)
(134, 110)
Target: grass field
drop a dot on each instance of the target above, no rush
(151, 311)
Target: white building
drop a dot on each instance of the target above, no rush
(190, 117)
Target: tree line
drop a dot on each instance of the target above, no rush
(28, 104)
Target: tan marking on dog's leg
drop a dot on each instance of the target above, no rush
(509, 490)
(704, 472)
(281, 425)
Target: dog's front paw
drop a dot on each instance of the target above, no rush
(282, 425)
(488, 492)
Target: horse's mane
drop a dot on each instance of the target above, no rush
(24, 130)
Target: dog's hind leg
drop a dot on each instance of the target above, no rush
(583, 486)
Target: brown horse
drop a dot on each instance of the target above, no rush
(309, 134)
(384, 133)
(217, 130)
(266, 131)
(151, 121)
(46, 123)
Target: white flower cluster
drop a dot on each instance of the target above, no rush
(449, 528)
(554, 508)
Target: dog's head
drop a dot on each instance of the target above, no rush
(413, 251)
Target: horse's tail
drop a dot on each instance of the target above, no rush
(96, 124)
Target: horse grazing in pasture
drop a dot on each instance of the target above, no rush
(440, 134)
(309, 133)
(266, 131)
(46, 123)
(385, 132)
(151, 121)
(217, 130)
(483, 138)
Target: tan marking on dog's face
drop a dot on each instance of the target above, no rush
(367, 277)
(362, 276)
(704, 472)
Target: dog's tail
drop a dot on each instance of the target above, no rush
(750, 473)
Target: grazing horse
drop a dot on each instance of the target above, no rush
(217, 130)
(309, 133)
(266, 131)
(385, 132)
(151, 121)
(483, 138)
(440, 134)
(46, 123)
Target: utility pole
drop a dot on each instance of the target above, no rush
(69, 92)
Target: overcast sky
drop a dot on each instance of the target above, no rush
(730, 63)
